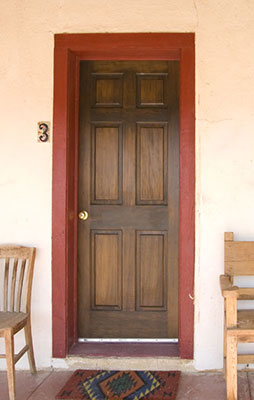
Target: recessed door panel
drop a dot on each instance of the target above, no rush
(152, 163)
(106, 163)
(106, 264)
(151, 265)
(107, 90)
(152, 90)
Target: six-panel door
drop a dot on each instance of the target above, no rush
(129, 185)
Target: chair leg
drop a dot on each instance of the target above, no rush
(9, 349)
(30, 351)
(231, 366)
(225, 352)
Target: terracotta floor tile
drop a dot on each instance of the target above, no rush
(213, 386)
(26, 384)
(51, 386)
(243, 386)
(250, 376)
(201, 387)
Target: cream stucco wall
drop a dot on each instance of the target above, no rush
(224, 134)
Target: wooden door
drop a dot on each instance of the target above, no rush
(129, 185)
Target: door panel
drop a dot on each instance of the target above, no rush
(151, 251)
(151, 163)
(128, 183)
(107, 90)
(106, 288)
(152, 90)
(106, 156)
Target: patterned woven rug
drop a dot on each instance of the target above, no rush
(116, 385)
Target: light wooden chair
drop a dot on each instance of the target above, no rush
(16, 273)
(238, 324)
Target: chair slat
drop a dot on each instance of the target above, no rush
(13, 284)
(245, 358)
(239, 258)
(12, 251)
(239, 268)
(6, 282)
(20, 284)
(239, 251)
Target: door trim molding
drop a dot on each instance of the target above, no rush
(69, 50)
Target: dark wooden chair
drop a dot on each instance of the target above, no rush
(16, 271)
(238, 324)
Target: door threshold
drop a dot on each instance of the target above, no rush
(126, 340)
(126, 349)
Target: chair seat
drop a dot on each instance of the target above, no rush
(10, 320)
(245, 319)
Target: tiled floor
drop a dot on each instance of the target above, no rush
(45, 385)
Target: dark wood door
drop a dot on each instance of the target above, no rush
(129, 185)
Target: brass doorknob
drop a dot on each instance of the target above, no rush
(83, 215)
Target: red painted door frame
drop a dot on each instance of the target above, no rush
(69, 50)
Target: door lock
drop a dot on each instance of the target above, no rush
(83, 215)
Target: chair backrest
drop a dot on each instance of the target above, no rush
(238, 256)
(16, 273)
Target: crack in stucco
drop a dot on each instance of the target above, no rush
(196, 10)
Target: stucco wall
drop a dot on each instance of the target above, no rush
(224, 134)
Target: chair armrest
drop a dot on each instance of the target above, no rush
(227, 289)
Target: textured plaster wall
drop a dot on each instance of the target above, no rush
(224, 134)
